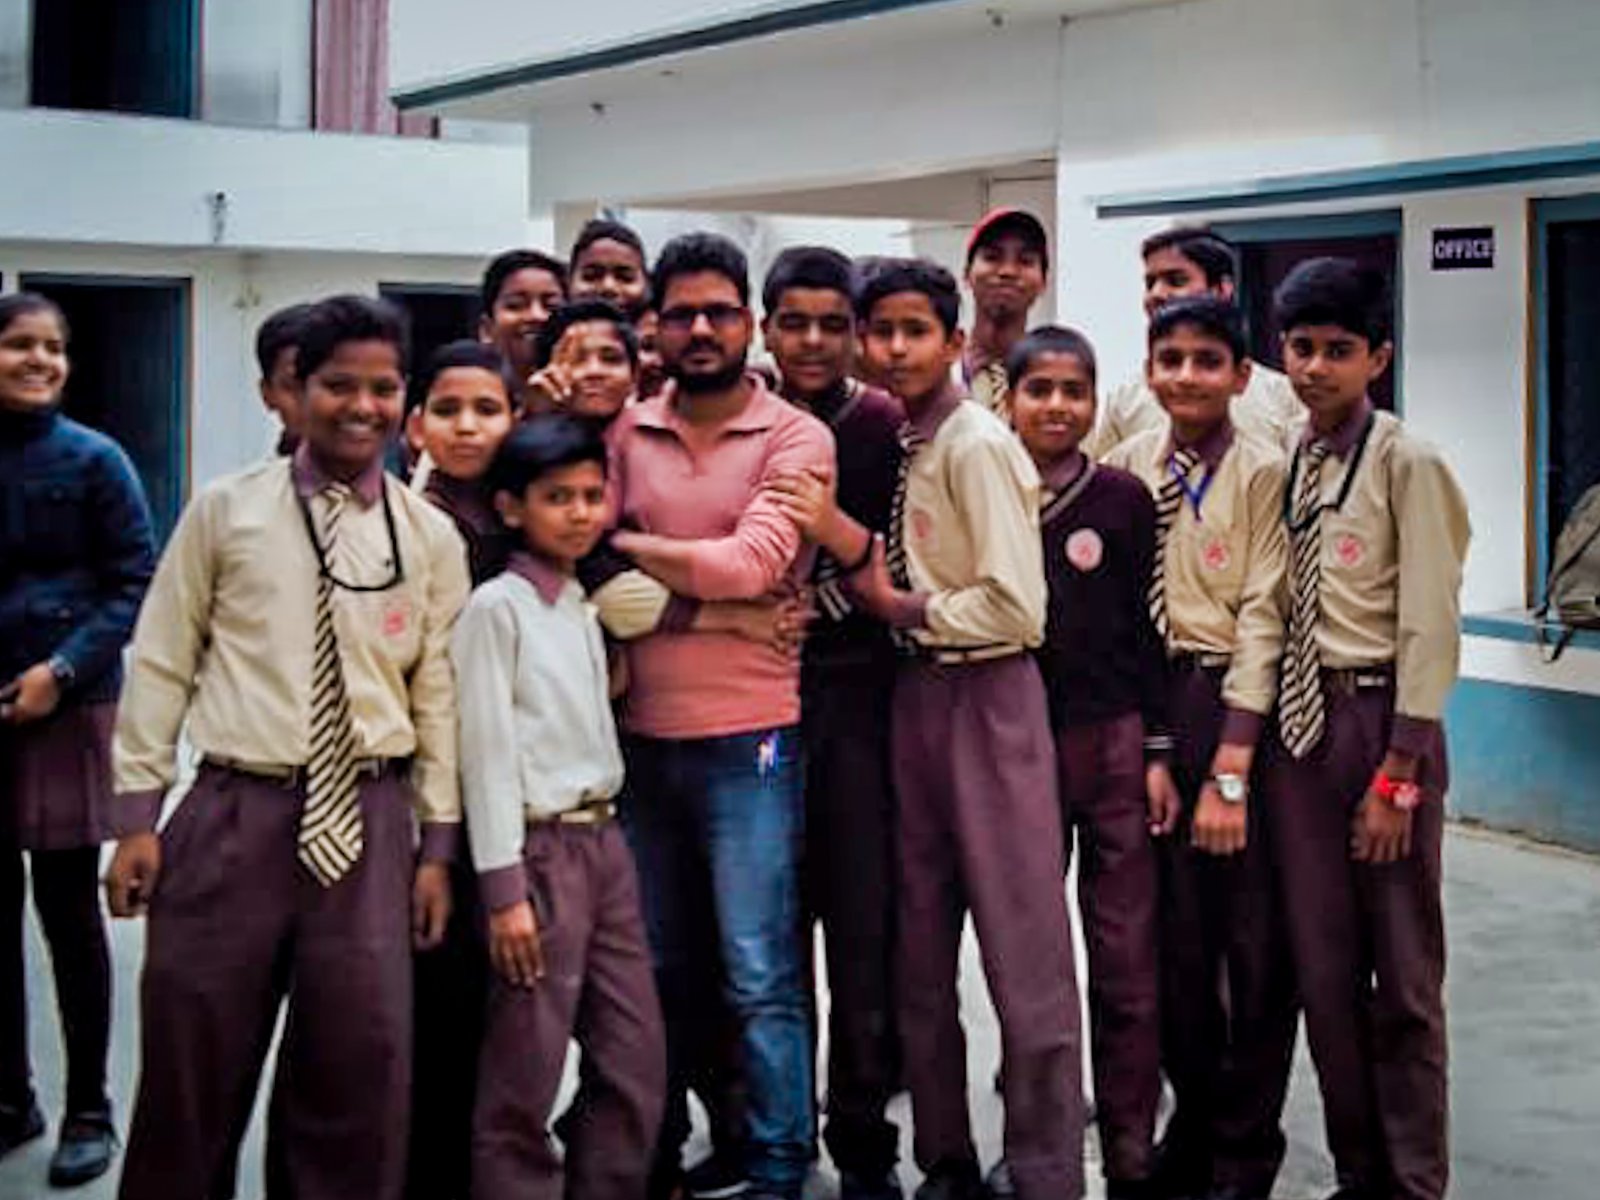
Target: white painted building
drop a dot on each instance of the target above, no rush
(171, 178)
(1297, 126)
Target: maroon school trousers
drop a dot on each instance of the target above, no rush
(236, 925)
(1369, 950)
(599, 988)
(1103, 804)
(1228, 1012)
(980, 830)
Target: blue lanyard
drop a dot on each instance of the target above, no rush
(1196, 495)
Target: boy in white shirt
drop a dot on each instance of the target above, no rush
(540, 768)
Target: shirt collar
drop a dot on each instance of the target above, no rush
(541, 573)
(939, 410)
(761, 412)
(26, 426)
(827, 407)
(1209, 449)
(1342, 439)
(310, 478)
(1063, 474)
(464, 500)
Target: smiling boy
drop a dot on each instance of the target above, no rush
(298, 628)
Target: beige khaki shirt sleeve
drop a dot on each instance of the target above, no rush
(164, 658)
(997, 489)
(1433, 530)
(434, 777)
(1251, 684)
(631, 604)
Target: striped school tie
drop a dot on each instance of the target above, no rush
(1302, 714)
(894, 553)
(330, 838)
(1169, 501)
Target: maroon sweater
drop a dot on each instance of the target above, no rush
(1101, 656)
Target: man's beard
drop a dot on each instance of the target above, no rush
(717, 381)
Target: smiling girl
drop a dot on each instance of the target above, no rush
(75, 555)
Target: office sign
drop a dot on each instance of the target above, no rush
(1464, 249)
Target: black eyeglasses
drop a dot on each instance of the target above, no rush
(720, 316)
(397, 572)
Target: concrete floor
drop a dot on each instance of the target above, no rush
(1524, 926)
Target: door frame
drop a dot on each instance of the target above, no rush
(180, 405)
(1375, 222)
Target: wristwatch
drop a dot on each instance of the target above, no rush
(1232, 788)
(1401, 793)
(63, 672)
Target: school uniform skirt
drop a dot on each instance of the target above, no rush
(55, 778)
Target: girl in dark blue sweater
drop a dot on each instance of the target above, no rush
(76, 552)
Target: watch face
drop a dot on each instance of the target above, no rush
(1231, 788)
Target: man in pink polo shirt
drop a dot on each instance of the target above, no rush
(713, 805)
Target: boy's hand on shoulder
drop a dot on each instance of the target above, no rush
(131, 878)
(1161, 795)
(809, 499)
(514, 946)
(430, 904)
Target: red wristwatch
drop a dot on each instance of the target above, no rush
(1403, 794)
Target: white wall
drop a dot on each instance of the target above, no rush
(94, 177)
(231, 294)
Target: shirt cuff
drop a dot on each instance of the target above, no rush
(1241, 728)
(441, 841)
(678, 615)
(1412, 736)
(503, 887)
(136, 812)
(910, 610)
(1158, 747)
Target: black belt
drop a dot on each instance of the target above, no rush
(1199, 660)
(588, 812)
(292, 776)
(1350, 680)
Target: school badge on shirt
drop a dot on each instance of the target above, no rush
(921, 524)
(396, 617)
(1349, 550)
(1216, 555)
(1085, 549)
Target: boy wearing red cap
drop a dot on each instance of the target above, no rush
(1008, 266)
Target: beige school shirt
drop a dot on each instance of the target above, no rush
(971, 532)
(226, 637)
(1224, 566)
(1266, 410)
(1391, 562)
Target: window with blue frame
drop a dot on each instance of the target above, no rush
(1568, 446)
(129, 56)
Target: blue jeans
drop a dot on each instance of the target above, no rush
(716, 826)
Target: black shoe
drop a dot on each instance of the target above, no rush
(953, 1181)
(87, 1146)
(1179, 1173)
(1232, 1191)
(999, 1182)
(19, 1126)
(718, 1177)
(1131, 1189)
(869, 1187)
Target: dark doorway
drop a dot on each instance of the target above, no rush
(1572, 446)
(129, 352)
(1269, 250)
(439, 313)
(134, 56)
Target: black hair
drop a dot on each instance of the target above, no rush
(464, 354)
(279, 332)
(541, 444)
(603, 229)
(577, 313)
(1214, 255)
(22, 304)
(691, 253)
(329, 324)
(807, 267)
(1336, 291)
(1214, 318)
(503, 266)
(1048, 339)
(891, 276)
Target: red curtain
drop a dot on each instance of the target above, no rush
(351, 81)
